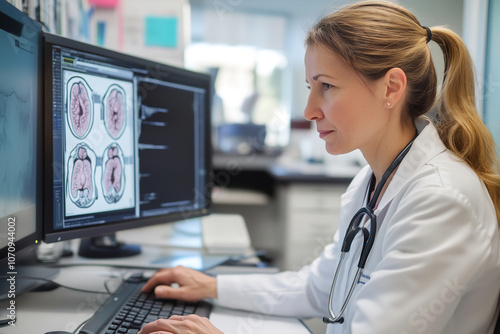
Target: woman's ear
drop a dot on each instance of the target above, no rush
(395, 86)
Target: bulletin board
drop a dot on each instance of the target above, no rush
(156, 29)
(153, 29)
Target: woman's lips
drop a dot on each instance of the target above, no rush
(323, 133)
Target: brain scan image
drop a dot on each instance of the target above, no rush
(80, 107)
(81, 170)
(113, 176)
(115, 109)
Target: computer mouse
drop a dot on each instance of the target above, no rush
(58, 332)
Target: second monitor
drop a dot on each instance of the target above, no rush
(127, 143)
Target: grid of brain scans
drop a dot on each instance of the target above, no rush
(99, 143)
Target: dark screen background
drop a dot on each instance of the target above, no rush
(166, 147)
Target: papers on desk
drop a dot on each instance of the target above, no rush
(233, 321)
(225, 234)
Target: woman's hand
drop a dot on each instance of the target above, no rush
(191, 324)
(192, 284)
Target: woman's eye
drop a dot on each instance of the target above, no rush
(327, 85)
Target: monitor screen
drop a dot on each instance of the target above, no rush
(20, 132)
(127, 141)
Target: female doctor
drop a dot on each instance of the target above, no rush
(428, 233)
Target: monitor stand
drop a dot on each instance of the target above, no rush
(105, 247)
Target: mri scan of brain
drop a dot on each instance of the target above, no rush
(81, 171)
(80, 108)
(115, 110)
(113, 176)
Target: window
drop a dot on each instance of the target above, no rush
(244, 53)
(491, 102)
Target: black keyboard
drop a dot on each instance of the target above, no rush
(127, 310)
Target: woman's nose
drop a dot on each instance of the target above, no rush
(312, 110)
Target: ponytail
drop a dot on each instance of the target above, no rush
(458, 122)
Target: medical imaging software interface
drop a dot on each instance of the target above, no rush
(126, 143)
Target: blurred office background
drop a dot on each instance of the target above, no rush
(269, 164)
(254, 51)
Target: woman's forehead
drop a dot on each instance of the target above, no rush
(319, 60)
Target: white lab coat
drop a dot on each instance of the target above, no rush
(434, 266)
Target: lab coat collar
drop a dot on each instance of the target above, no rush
(425, 147)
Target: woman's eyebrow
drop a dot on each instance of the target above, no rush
(316, 77)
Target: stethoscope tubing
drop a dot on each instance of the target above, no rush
(368, 238)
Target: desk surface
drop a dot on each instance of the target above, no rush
(63, 309)
(288, 170)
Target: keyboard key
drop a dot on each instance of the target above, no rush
(189, 309)
(155, 311)
(164, 314)
(150, 318)
(136, 324)
(178, 309)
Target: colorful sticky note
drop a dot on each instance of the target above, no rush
(104, 3)
(161, 31)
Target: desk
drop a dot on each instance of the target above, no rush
(63, 309)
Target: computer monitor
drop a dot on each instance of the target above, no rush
(20, 131)
(20, 145)
(127, 144)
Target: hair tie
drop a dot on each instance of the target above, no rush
(429, 33)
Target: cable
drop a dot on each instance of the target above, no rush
(77, 329)
(108, 280)
(60, 285)
(6, 322)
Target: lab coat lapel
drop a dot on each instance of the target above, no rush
(425, 147)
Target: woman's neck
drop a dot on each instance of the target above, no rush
(386, 149)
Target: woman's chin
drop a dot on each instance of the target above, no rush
(335, 149)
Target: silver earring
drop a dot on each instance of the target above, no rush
(388, 104)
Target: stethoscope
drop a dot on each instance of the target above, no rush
(368, 235)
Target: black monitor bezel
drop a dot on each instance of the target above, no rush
(190, 77)
(33, 238)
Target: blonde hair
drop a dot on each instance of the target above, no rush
(375, 36)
